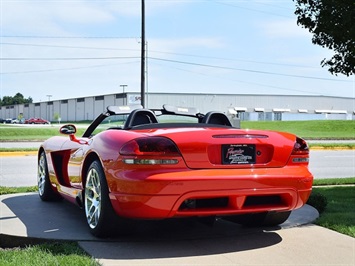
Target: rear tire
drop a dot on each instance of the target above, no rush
(260, 219)
(45, 190)
(99, 213)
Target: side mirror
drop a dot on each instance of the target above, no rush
(68, 129)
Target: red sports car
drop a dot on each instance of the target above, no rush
(36, 120)
(135, 163)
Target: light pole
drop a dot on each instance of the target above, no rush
(143, 56)
(123, 86)
(146, 72)
(48, 108)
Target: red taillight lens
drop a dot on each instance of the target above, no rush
(157, 146)
(300, 147)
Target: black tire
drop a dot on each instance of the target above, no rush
(45, 190)
(260, 219)
(99, 213)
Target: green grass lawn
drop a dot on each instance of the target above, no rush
(319, 129)
(65, 253)
(339, 214)
(16, 133)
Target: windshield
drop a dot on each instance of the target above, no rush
(113, 121)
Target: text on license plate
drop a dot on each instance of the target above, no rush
(238, 154)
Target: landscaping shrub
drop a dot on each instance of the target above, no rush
(318, 201)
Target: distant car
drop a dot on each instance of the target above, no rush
(2, 120)
(135, 163)
(37, 120)
(12, 121)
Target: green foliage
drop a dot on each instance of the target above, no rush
(332, 24)
(318, 201)
(17, 99)
(47, 254)
(56, 117)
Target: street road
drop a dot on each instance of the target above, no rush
(22, 170)
(18, 171)
(332, 164)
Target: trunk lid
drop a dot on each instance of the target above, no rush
(230, 148)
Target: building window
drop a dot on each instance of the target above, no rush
(119, 96)
(278, 116)
(37, 104)
(99, 98)
(27, 105)
(64, 101)
(50, 103)
(80, 100)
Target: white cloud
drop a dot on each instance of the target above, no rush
(49, 17)
(286, 28)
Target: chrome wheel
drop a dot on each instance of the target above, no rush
(99, 213)
(45, 190)
(41, 174)
(93, 198)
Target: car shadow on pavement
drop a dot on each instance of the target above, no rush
(26, 216)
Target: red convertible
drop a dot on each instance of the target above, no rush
(136, 163)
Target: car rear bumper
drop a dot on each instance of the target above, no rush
(206, 192)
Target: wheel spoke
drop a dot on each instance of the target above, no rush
(41, 175)
(93, 198)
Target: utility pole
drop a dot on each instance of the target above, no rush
(123, 86)
(49, 97)
(143, 57)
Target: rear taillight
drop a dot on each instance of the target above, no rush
(152, 150)
(300, 147)
(300, 152)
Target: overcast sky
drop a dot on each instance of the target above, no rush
(70, 49)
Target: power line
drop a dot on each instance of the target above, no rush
(158, 52)
(241, 81)
(65, 58)
(247, 70)
(65, 37)
(173, 61)
(65, 69)
(66, 46)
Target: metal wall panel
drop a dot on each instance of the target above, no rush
(87, 108)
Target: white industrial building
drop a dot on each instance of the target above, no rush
(244, 106)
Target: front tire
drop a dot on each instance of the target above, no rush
(99, 213)
(45, 190)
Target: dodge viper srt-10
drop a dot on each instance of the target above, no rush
(136, 163)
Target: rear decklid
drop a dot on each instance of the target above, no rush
(203, 147)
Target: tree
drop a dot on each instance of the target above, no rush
(17, 99)
(332, 23)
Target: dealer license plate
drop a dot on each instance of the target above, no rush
(238, 154)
